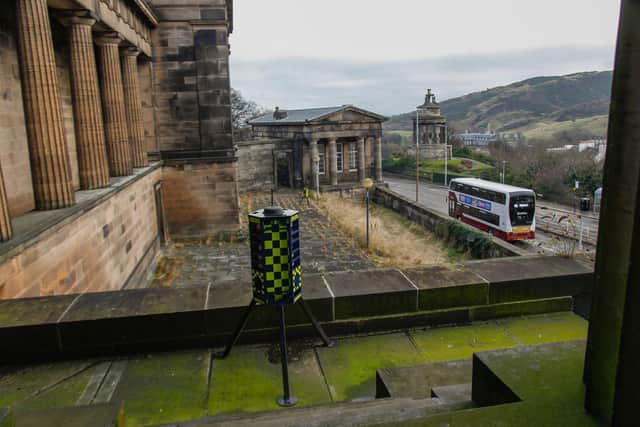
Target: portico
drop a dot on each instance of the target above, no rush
(335, 146)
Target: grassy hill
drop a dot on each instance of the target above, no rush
(535, 103)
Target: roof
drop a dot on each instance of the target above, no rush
(307, 115)
(490, 185)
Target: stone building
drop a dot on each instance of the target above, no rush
(341, 146)
(115, 133)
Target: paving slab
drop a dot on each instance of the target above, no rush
(55, 383)
(456, 393)
(250, 379)
(448, 287)
(442, 344)
(546, 328)
(105, 415)
(350, 367)
(371, 293)
(418, 381)
(164, 387)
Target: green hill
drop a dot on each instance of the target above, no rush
(529, 104)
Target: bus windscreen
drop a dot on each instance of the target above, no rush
(522, 210)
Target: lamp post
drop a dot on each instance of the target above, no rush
(316, 174)
(504, 162)
(446, 156)
(367, 184)
(417, 154)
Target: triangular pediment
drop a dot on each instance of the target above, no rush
(350, 114)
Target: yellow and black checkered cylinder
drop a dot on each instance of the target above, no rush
(275, 256)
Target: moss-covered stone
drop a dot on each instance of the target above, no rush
(21, 385)
(350, 367)
(250, 380)
(442, 344)
(546, 328)
(164, 388)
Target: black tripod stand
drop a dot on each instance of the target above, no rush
(286, 399)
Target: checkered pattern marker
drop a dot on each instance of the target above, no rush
(275, 256)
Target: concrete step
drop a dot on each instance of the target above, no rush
(345, 414)
(457, 393)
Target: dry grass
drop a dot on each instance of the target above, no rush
(393, 241)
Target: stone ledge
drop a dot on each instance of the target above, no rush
(33, 226)
(351, 302)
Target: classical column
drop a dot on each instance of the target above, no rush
(333, 162)
(92, 153)
(377, 158)
(50, 168)
(133, 106)
(115, 120)
(5, 220)
(362, 168)
(315, 158)
(611, 366)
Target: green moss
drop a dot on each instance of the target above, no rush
(164, 388)
(21, 384)
(65, 394)
(247, 381)
(442, 344)
(546, 328)
(350, 367)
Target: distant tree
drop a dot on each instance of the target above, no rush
(243, 110)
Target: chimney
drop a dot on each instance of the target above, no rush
(279, 115)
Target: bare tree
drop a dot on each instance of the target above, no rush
(243, 110)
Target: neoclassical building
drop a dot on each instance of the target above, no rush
(340, 146)
(115, 133)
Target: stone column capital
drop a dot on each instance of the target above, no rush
(107, 39)
(76, 17)
(130, 51)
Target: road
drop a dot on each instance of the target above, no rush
(548, 215)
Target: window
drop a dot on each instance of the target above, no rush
(339, 156)
(321, 161)
(353, 156)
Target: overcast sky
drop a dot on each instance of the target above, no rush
(383, 55)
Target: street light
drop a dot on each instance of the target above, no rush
(504, 162)
(367, 183)
(417, 153)
(316, 163)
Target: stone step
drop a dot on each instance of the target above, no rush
(417, 381)
(345, 414)
(457, 393)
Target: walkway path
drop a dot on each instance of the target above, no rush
(323, 248)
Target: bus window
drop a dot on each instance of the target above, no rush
(522, 210)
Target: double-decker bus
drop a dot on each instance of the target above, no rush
(504, 211)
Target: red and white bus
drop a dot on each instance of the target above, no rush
(504, 211)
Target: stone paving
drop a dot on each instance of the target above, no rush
(323, 248)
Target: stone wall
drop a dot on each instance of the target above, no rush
(145, 70)
(96, 249)
(201, 199)
(191, 75)
(463, 237)
(14, 152)
(255, 164)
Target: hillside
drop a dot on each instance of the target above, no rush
(528, 105)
